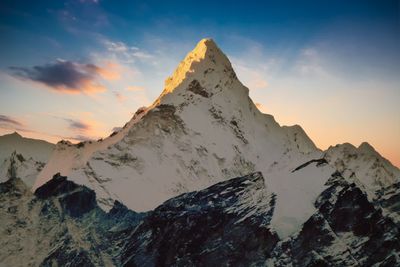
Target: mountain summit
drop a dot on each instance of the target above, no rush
(205, 71)
(205, 58)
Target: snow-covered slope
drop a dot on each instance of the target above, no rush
(68, 157)
(363, 165)
(18, 166)
(30, 148)
(23, 157)
(202, 129)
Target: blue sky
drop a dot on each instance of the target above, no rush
(330, 66)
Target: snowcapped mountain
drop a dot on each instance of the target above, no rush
(363, 165)
(23, 157)
(202, 129)
(202, 177)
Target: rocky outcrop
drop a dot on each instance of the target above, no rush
(346, 230)
(225, 224)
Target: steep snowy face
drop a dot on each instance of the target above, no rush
(202, 129)
(363, 165)
(18, 166)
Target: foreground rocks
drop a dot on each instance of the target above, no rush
(227, 224)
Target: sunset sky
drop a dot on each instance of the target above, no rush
(76, 69)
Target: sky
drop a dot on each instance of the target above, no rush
(79, 69)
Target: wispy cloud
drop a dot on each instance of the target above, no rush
(120, 97)
(310, 63)
(89, 1)
(110, 71)
(126, 53)
(78, 125)
(66, 76)
(13, 124)
(254, 77)
(8, 120)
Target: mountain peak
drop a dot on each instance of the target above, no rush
(206, 45)
(15, 135)
(208, 42)
(365, 147)
(205, 59)
(205, 71)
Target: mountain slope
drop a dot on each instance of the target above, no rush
(363, 164)
(374, 175)
(228, 223)
(30, 148)
(346, 230)
(61, 224)
(18, 166)
(203, 129)
(23, 157)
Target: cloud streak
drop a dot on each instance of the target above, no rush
(8, 120)
(68, 77)
(78, 125)
(125, 53)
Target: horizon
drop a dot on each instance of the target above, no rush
(76, 70)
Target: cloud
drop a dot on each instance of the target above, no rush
(78, 125)
(10, 121)
(310, 63)
(121, 98)
(253, 77)
(126, 53)
(110, 71)
(67, 76)
(89, 1)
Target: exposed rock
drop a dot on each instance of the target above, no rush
(225, 224)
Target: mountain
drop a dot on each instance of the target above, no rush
(23, 157)
(202, 177)
(375, 175)
(226, 224)
(363, 165)
(203, 129)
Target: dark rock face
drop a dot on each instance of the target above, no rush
(227, 224)
(212, 227)
(318, 161)
(196, 88)
(60, 225)
(75, 200)
(389, 199)
(347, 230)
(73, 258)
